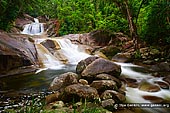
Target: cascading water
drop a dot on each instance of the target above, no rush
(35, 28)
(71, 51)
(135, 95)
(67, 53)
(54, 62)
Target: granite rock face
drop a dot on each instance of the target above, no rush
(16, 51)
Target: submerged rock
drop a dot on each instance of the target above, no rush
(153, 99)
(130, 82)
(163, 85)
(167, 79)
(146, 86)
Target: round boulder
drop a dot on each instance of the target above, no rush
(122, 57)
(84, 63)
(99, 66)
(109, 77)
(102, 85)
(63, 80)
(108, 104)
(78, 91)
(111, 94)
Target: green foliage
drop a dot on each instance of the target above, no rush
(137, 54)
(152, 17)
(10, 9)
(78, 16)
(157, 26)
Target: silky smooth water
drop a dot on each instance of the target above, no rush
(33, 82)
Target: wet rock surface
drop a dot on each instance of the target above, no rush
(163, 85)
(130, 82)
(122, 57)
(153, 99)
(146, 86)
(167, 79)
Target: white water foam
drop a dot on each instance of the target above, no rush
(134, 95)
(68, 50)
(35, 28)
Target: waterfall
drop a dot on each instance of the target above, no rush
(35, 28)
(54, 58)
(67, 53)
(71, 51)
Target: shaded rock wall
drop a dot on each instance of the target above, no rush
(16, 51)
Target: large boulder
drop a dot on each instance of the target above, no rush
(63, 80)
(99, 66)
(122, 57)
(51, 45)
(111, 94)
(163, 66)
(102, 85)
(54, 48)
(109, 77)
(16, 51)
(84, 63)
(78, 91)
(109, 51)
(100, 37)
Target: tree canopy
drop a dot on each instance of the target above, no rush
(147, 19)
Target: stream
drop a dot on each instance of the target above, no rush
(14, 87)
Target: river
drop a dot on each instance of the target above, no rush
(64, 59)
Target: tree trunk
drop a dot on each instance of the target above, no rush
(132, 26)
